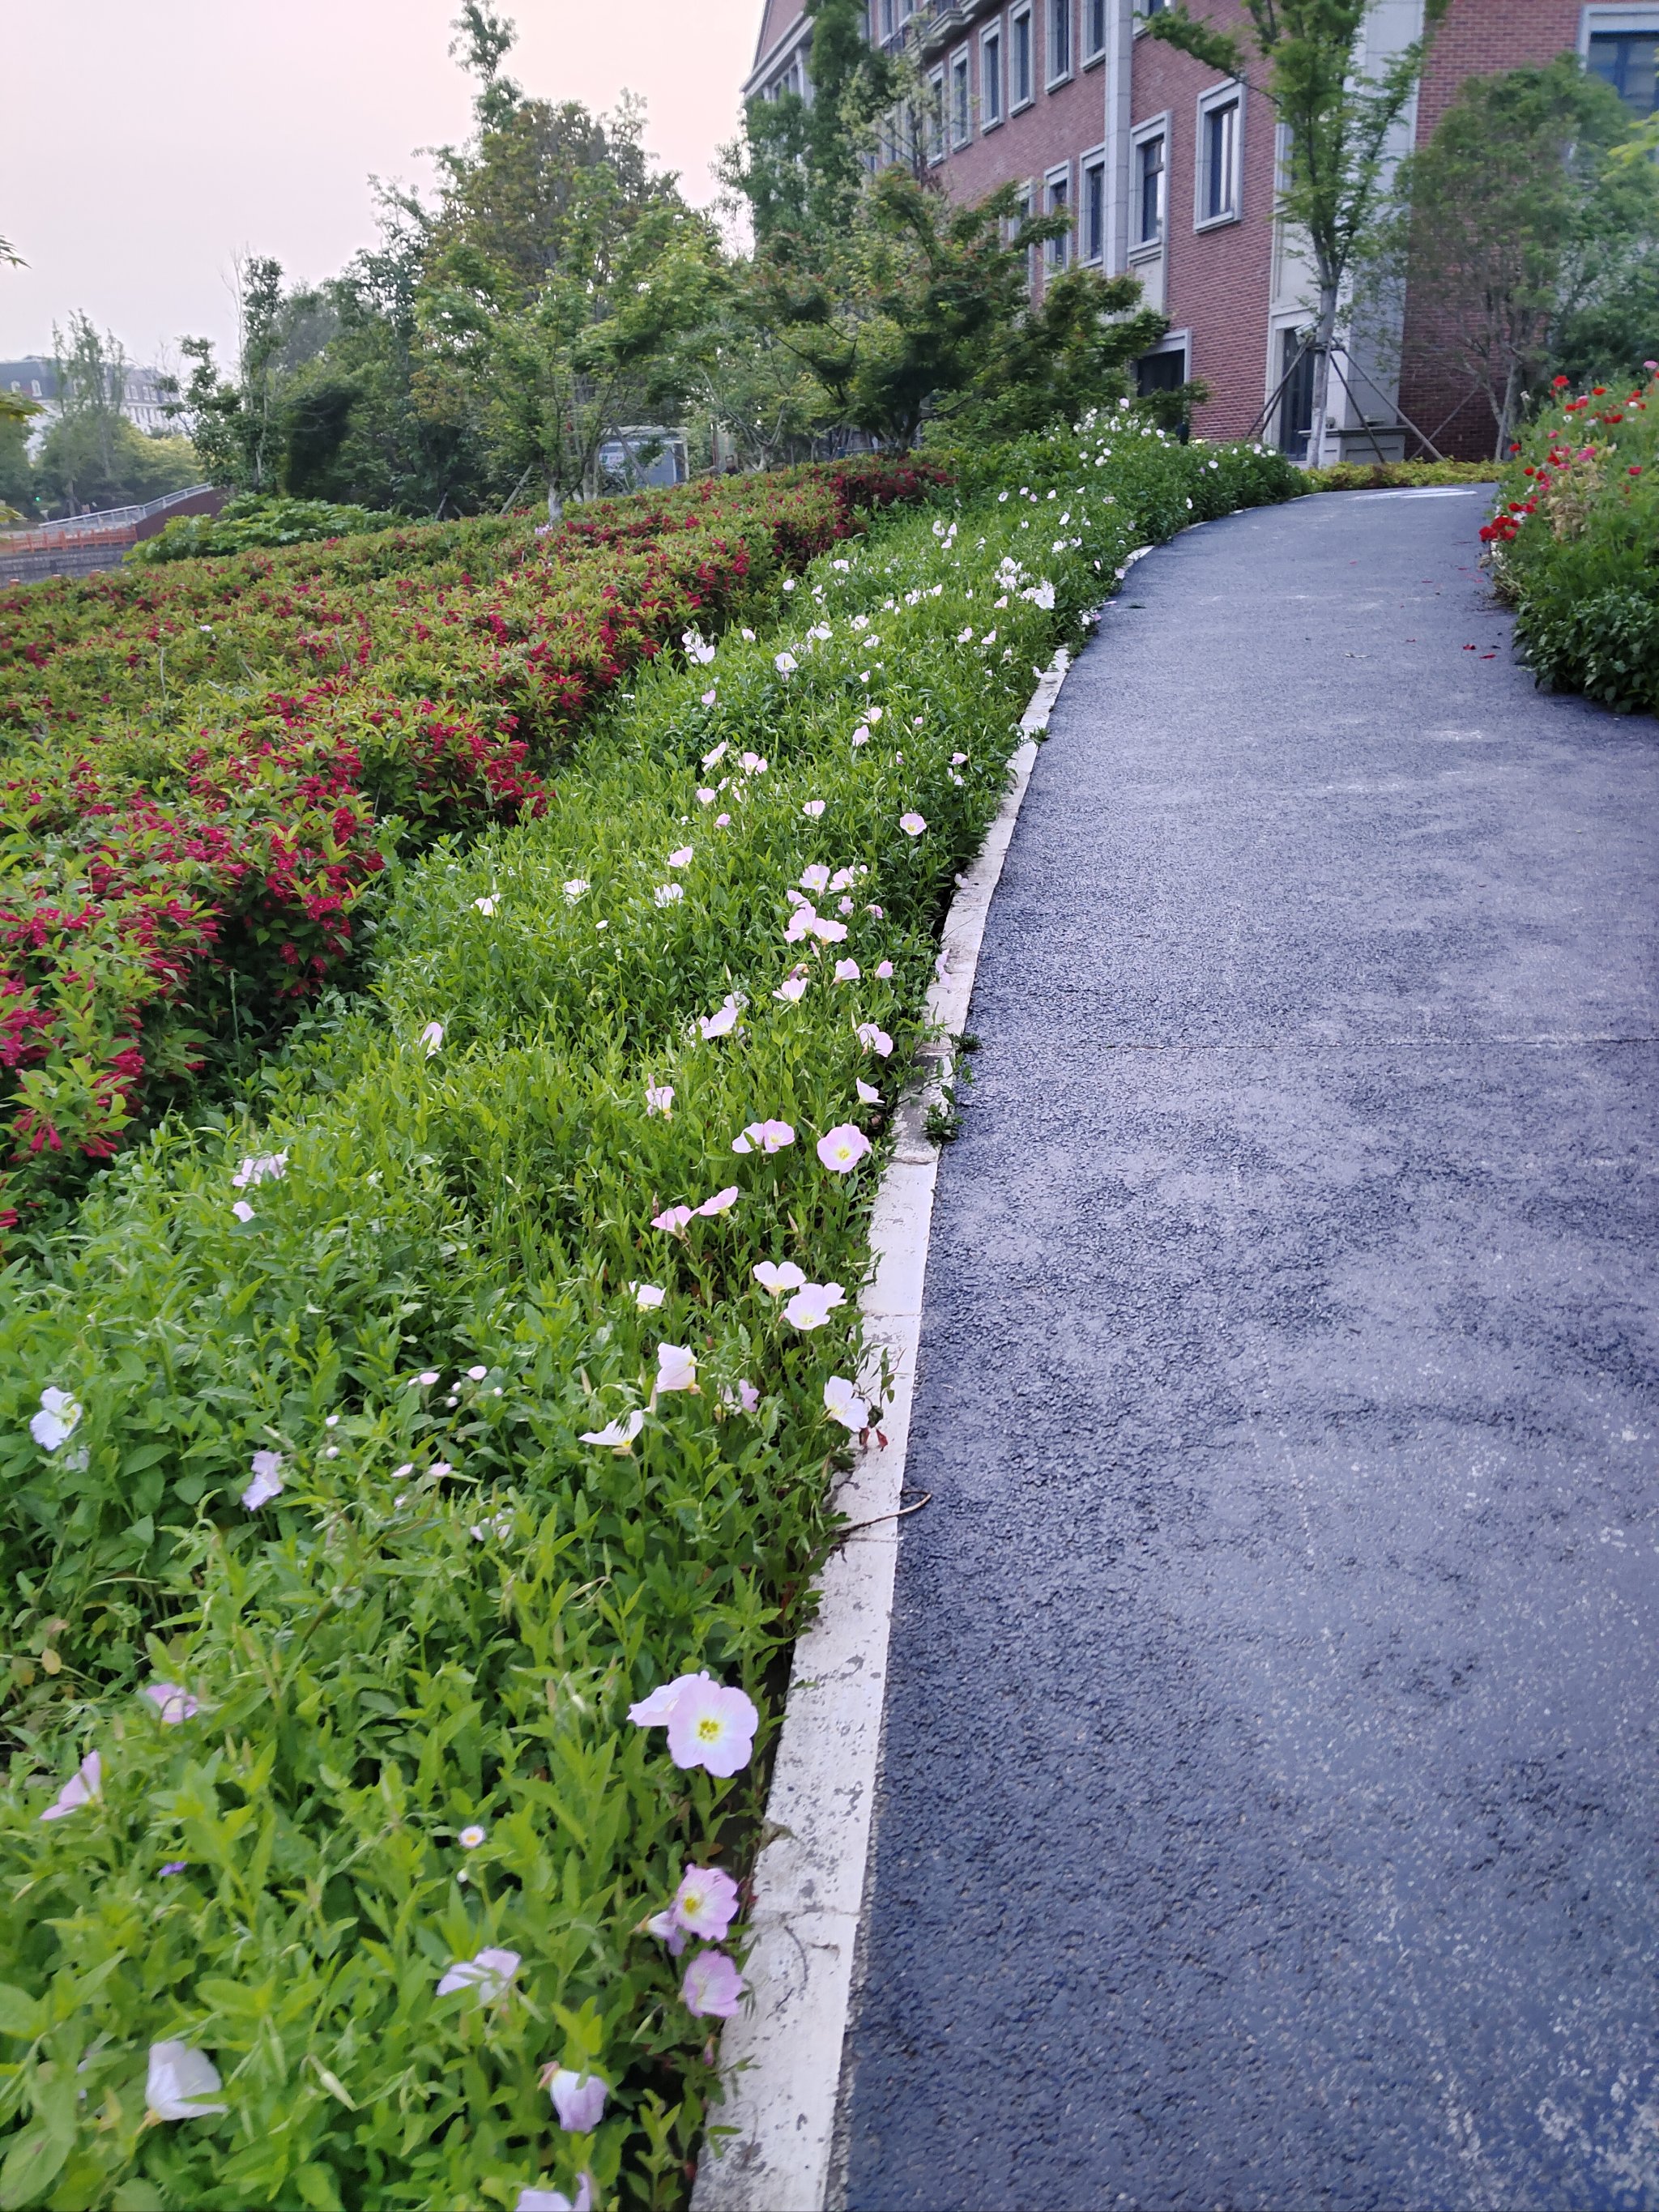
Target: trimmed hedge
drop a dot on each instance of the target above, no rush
(437, 1624)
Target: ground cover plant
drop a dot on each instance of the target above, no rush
(1575, 543)
(207, 772)
(411, 1487)
(246, 523)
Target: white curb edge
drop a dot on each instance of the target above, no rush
(781, 2058)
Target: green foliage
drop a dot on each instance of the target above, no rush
(442, 1618)
(1530, 243)
(250, 522)
(1575, 544)
(1390, 475)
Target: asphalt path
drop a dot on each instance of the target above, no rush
(1269, 1811)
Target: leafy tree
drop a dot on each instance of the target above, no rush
(1305, 55)
(92, 456)
(1530, 240)
(803, 166)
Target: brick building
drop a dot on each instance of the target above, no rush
(1169, 172)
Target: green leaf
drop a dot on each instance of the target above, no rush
(20, 2014)
(33, 2164)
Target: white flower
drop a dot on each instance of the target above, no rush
(178, 2079)
(841, 1404)
(267, 1481)
(659, 1099)
(57, 1420)
(243, 1212)
(260, 1167)
(173, 1701)
(1041, 595)
(490, 1973)
(666, 894)
(574, 888)
(697, 647)
(618, 1434)
(677, 1367)
(775, 1280)
(846, 971)
(470, 1839)
(912, 824)
(431, 1036)
(874, 1039)
(813, 1304)
(646, 1296)
(722, 1022)
(83, 1786)
(485, 906)
(554, 2200)
(718, 752)
(578, 2098)
(785, 664)
(792, 991)
(682, 859)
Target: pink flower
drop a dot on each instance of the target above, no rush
(840, 1149)
(243, 1211)
(706, 1903)
(792, 991)
(880, 912)
(173, 1701)
(828, 933)
(813, 1304)
(812, 808)
(80, 1788)
(884, 973)
(672, 1219)
(722, 1022)
(743, 1398)
(785, 664)
(491, 1974)
(617, 1435)
(868, 1094)
(874, 1039)
(846, 971)
(267, 1471)
(708, 1724)
(815, 879)
(554, 2200)
(712, 1987)
(956, 759)
(801, 923)
(775, 1280)
(843, 906)
(659, 1099)
(841, 1404)
(647, 1295)
(722, 822)
(677, 1368)
(705, 797)
(716, 753)
(578, 2098)
(681, 858)
(753, 764)
(721, 1202)
(769, 1136)
(860, 735)
(912, 824)
(709, 696)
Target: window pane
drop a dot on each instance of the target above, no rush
(1095, 27)
(990, 69)
(1022, 58)
(1059, 37)
(1094, 212)
(1150, 204)
(1628, 60)
(1220, 139)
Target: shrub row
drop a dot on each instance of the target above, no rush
(195, 807)
(244, 524)
(1575, 544)
(388, 1724)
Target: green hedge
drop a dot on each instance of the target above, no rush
(242, 524)
(439, 1623)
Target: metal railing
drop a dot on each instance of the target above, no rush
(103, 524)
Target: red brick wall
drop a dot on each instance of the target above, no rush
(1479, 37)
(1059, 126)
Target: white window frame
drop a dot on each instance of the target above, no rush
(1093, 55)
(1057, 253)
(1597, 17)
(1155, 126)
(1091, 164)
(1053, 78)
(994, 72)
(1210, 102)
(1026, 199)
(1024, 14)
(934, 118)
(961, 118)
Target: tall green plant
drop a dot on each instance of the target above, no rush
(1305, 58)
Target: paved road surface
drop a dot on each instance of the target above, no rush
(1270, 1813)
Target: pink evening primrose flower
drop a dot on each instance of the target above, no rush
(813, 1304)
(647, 1295)
(677, 1368)
(574, 888)
(717, 753)
(884, 972)
(709, 696)
(812, 808)
(792, 991)
(912, 824)
(875, 713)
(776, 1278)
(956, 759)
(705, 796)
(267, 1471)
(681, 858)
(843, 906)
(57, 1421)
(721, 1023)
(785, 664)
(742, 1398)
(868, 1094)
(713, 1988)
(753, 764)
(801, 923)
(260, 1167)
(618, 1435)
(815, 879)
(708, 1724)
(178, 2081)
(659, 1099)
(721, 1202)
(860, 735)
(672, 1219)
(764, 1136)
(706, 1902)
(828, 933)
(243, 1212)
(840, 1149)
(173, 1701)
(554, 2200)
(722, 822)
(485, 906)
(83, 1786)
(668, 894)
(874, 1039)
(843, 1405)
(880, 912)
(578, 2098)
(846, 971)
(491, 1974)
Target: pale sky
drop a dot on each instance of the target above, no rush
(149, 141)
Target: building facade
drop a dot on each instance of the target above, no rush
(144, 395)
(1168, 172)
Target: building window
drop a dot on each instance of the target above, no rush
(1060, 40)
(1094, 209)
(1057, 200)
(990, 79)
(1022, 216)
(962, 117)
(1218, 164)
(1296, 366)
(1094, 29)
(1023, 90)
(1149, 190)
(936, 116)
(1161, 372)
(1628, 61)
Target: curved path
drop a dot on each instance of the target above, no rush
(1270, 1804)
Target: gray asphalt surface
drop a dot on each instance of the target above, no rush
(1269, 1814)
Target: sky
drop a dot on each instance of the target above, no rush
(148, 142)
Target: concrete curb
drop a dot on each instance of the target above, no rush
(781, 2058)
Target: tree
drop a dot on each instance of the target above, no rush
(803, 166)
(1338, 124)
(1529, 238)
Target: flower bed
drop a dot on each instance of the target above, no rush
(411, 1494)
(202, 785)
(1575, 544)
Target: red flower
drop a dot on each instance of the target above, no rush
(1561, 382)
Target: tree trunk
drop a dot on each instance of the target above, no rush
(1506, 412)
(1324, 336)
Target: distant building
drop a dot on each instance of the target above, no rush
(143, 402)
(1167, 171)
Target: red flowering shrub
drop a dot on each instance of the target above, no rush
(209, 765)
